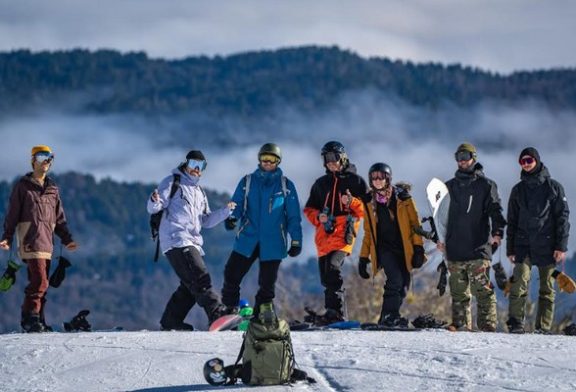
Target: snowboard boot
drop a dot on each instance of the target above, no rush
(219, 311)
(329, 317)
(457, 327)
(515, 326)
(31, 323)
(267, 315)
(393, 321)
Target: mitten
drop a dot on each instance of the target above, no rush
(230, 223)
(418, 256)
(9, 277)
(295, 248)
(500, 276)
(60, 272)
(565, 283)
(363, 263)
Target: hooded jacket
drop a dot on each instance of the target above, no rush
(537, 218)
(407, 217)
(474, 214)
(269, 217)
(185, 214)
(35, 213)
(325, 197)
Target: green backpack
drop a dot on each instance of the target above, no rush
(268, 357)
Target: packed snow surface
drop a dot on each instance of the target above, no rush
(434, 360)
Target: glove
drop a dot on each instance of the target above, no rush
(443, 280)
(230, 223)
(363, 263)
(500, 276)
(565, 283)
(295, 248)
(418, 256)
(60, 272)
(9, 277)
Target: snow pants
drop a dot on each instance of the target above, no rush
(397, 280)
(195, 286)
(331, 279)
(519, 293)
(469, 278)
(35, 292)
(237, 267)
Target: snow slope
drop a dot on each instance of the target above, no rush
(364, 361)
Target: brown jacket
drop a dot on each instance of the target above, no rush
(407, 221)
(35, 213)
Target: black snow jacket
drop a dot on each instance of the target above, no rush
(474, 204)
(537, 218)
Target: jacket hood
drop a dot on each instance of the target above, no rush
(185, 177)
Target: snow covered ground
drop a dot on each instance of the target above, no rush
(364, 361)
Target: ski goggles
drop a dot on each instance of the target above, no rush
(267, 158)
(197, 164)
(463, 156)
(379, 176)
(331, 157)
(527, 161)
(42, 157)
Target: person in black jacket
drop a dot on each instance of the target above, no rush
(537, 235)
(474, 226)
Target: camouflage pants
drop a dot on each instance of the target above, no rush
(519, 293)
(467, 278)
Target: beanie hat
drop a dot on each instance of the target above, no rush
(530, 151)
(41, 148)
(195, 154)
(467, 147)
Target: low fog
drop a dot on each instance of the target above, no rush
(418, 144)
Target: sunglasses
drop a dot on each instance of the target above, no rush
(196, 164)
(331, 157)
(527, 161)
(42, 157)
(463, 156)
(271, 159)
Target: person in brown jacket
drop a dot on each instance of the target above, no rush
(390, 242)
(34, 214)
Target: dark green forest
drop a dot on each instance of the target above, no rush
(249, 85)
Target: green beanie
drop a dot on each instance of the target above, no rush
(467, 147)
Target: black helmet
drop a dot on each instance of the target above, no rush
(382, 168)
(214, 372)
(334, 152)
(333, 146)
(272, 149)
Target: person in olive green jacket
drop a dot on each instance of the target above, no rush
(390, 242)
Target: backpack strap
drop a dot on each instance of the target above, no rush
(173, 189)
(284, 186)
(247, 181)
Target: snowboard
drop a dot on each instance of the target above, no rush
(340, 325)
(225, 323)
(378, 327)
(437, 195)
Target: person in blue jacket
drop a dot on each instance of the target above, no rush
(267, 209)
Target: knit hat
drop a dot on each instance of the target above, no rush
(530, 151)
(195, 154)
(41, 148)
(467, 147)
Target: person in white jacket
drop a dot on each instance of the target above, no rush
(184, 214)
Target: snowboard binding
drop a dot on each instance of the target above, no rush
(78, 323)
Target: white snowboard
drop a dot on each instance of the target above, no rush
(439, 202)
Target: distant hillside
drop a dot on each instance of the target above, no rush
(251, 84)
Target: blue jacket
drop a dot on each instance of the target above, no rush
(269, 216)
(185, 214)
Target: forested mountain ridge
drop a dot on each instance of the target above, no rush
(250, 84)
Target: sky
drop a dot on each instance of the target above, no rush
(435, 360)
(495, 35)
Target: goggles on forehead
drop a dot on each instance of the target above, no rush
(42, 157)
(463, 156)
(267, 158)
(196, 164)
(331, 157)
